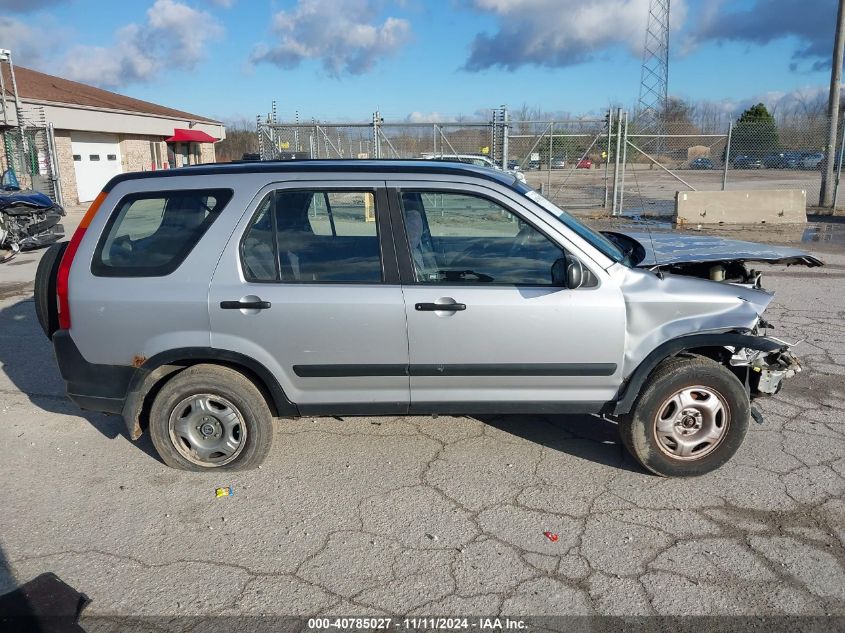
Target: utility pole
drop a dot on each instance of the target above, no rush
(826, 189)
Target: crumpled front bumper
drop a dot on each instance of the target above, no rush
(767, 370)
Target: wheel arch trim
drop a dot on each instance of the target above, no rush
(630, 389)
(157, 368)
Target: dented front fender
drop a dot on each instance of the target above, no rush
(660, 309)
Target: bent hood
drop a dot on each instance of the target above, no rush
(31, 199)
(683, 248)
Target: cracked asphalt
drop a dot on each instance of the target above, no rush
(430, 515)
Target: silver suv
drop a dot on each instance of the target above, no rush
(200, 303)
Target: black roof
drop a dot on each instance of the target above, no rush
(351, 166)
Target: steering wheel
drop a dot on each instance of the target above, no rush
(469, 256)
(521, 240)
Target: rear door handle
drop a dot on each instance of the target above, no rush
(245, 305)
(446, 307)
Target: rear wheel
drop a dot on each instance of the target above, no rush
(690, 418)
(46, 308)
(211, 417)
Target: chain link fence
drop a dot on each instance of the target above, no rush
(586, 165)
(21, 155)
(316, 140)
(567, 160)
(749, 155)
(29, 152)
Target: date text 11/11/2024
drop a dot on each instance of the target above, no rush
(427, 623)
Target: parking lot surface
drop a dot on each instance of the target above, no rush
(427, 515)
(651, 190)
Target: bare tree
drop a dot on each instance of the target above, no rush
(241, 138)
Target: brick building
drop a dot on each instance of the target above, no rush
(98, 134)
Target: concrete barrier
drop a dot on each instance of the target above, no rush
(763, 206)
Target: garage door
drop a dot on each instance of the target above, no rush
(96, 158)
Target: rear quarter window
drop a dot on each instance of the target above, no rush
(150, 234)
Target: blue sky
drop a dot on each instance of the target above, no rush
(340, 59)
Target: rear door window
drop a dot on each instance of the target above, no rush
(313, 236)
(151, 234)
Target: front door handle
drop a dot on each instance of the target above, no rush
(436, 307)
(244, 305)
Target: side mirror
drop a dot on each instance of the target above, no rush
(574, 274)
(568, 272)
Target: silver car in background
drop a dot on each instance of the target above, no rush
(479, 160)
(200, 303)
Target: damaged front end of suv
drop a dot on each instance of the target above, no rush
(707, 256)
(720, 320)
(766, 369)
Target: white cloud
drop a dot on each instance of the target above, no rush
(560, 33)
(25, 38)
(779, 101)
(343, 34)
(428, 117)
(21, 39)
(807, 101)
(174, 36)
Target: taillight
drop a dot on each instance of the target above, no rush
(63, 273)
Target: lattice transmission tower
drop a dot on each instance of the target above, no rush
(654, 75)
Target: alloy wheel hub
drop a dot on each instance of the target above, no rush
(691, 423)
(207, 429)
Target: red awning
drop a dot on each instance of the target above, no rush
(190, 136)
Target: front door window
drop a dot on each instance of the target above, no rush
(464, 238)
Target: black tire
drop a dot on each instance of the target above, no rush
(46, 309)
(638, 429)
(230, 389)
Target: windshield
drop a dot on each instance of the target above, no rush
(599, 241)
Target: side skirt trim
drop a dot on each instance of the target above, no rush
(478, 369)
(451, 408)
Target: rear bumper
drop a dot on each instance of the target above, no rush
(91, 386)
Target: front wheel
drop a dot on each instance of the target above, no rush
(211, 417)
(690, 418)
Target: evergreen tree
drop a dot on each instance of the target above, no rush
(755, 133)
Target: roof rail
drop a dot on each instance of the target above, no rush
(347, 165)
